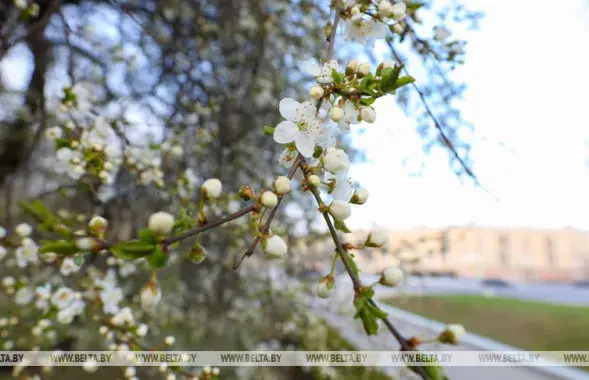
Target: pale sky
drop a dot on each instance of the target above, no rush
(527, 70)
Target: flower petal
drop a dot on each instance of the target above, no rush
(285, 132)
(310, 68)
(305, 144)
(343, 188)
(288, 108)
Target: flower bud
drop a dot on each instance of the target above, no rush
(352, 67)
(150, 296)
(391, 276)
(274, 246)
(355, 11)
(246, 193)
(212, 188)
(98, 225)
(336, 161)
(87, 244)
(197, 254)
(316, 92)
(385, 8)
(397, 28)
(161, 223)
(452, 334)
(170, 340)
(177, 151)
(360, 197)
(141, 331)
(325, 287)
(363, 69)
(336, 114)
(282, 185)
(340, 210)
(23, 230)
(376, 239)
(313, 180)
(268, 199)
(368, 114)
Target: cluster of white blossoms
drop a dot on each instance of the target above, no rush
(369, 21)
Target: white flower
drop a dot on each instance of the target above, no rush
(452, 334)
(336, 161)
(321, 73)
(66, 316)
(169, 340)
(142, 329)
(269, 199)
(340, 210)
(287, 157)
(385, 8)
(364, 30)
(63, 297)
(368, 114)
(23, 230)
(86, 244)
(124, 316)
(323, 289)
(177, 151)
(316, 92)
(212, 188)
(43, 294)
(274, 246)
(313, 180)
(130, 371)
(53, 133)
(150, 296)
(343, 186)
(2, 232)
(282, 185)
(399, 10)
(24, 295)
(376, 239)
(336, 114)
(68, 266)
(360, 197)
(8, 281)
(301, 126)
(161, 222)
(363, 69)
(111, 296)
(349, 117)
(391, 276)
(90, 366)
(26, 253)
(441, 33)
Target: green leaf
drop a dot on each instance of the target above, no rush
(157, 258)
(415, 6)
(131, 250)
(367, 101)
(147, 236)
(341, 226)
(404, 81)
(337, 77)
(36, 209)
(388, 81)
(269, 130)
(60, 247)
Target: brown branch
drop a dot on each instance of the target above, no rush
(266, 228)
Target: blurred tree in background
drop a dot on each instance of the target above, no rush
(180, 91)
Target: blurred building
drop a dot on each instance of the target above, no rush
(486, 252)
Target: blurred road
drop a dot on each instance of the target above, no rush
(553, 293)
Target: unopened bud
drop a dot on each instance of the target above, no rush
(274, 246)
(150, 296)
(376, 239)
(336, 114)
(268, 199)
(391, 276)
(340, 210)
(363, 69)
(282, 185)
(87, 244)
(452, 334)
(325, 287)
(313, 180)
(98, 225)
(368, 114)
(197, 254)
(161, 223)
(212, 188)
(360, 197)
(316, 92)
(352, 67)
(246, 193)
